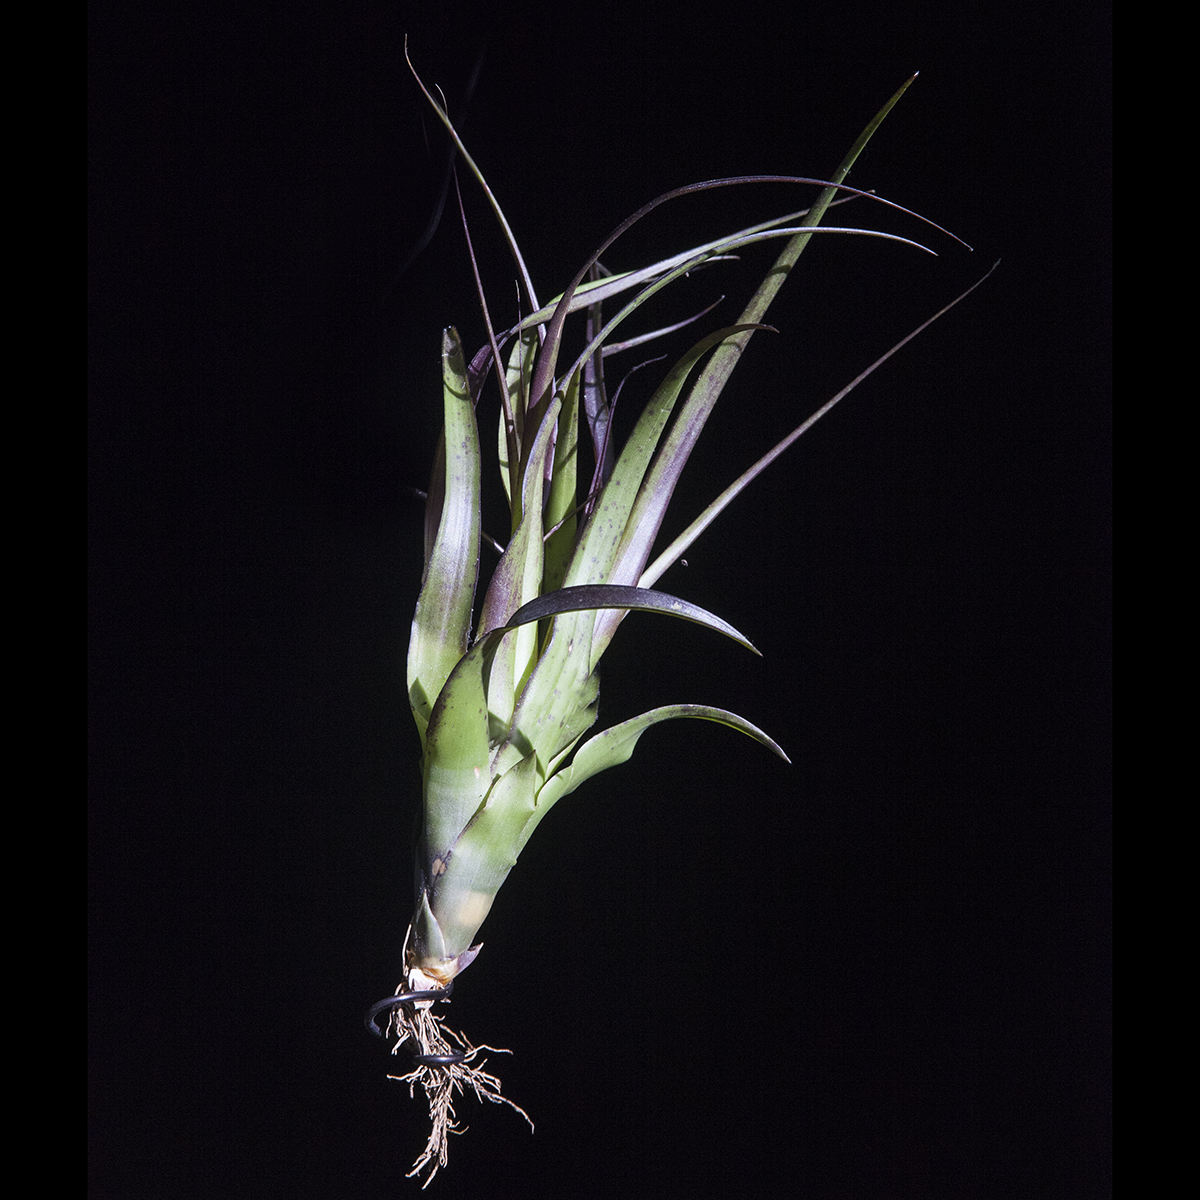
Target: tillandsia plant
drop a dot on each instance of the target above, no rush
(503, 701)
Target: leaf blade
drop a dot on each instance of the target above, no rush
(442, 622)
(616, 745)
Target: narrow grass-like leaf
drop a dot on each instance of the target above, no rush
(564, 481)
(517, 580)
(680, 545)
(543, 376)
(601, 539)
(660, 485)
(510, 240)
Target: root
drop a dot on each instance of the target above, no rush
(442, 1081)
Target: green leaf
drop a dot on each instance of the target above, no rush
(558, 703)
(660, 484)
(520, 367)
(442, 623)
(608, 526)
(463, 881)
(560, 505)
(457, 767)
(616, 745)
(518, 578)
(425, 940)
(603, 595)
(680, 545)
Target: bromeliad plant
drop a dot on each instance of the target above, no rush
(503, 703)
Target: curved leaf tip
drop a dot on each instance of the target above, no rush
(583, 597)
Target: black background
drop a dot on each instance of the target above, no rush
(879, 972)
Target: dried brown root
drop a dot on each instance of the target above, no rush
(442, 1082)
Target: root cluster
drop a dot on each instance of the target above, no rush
(416, 1025)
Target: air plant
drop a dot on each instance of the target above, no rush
(503, 703)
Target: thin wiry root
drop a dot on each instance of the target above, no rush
(441, 1082)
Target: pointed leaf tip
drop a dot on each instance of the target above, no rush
(606, 595)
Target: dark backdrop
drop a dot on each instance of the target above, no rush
(880, 972)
